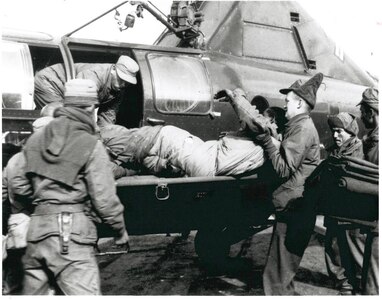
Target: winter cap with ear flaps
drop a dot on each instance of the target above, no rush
(345, 121)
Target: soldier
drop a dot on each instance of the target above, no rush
(342, 237)
(109, 79)
(18, 220)
(161, 149)
(119, 141)
(298, 156)
(369, 115)
(65, 171)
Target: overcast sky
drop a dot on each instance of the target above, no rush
(356, 25)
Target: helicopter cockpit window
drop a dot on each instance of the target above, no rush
(272, 45)
(181, 84)
(17, 76)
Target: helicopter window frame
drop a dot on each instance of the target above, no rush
(263, 53)
(168, 100)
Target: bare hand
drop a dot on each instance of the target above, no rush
(123, 240)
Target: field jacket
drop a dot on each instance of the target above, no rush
(298, 156)
(94, 188)
(370, 146)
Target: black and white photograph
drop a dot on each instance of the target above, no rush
(190, 148)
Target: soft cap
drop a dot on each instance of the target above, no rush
(370, 98)
(127, 69)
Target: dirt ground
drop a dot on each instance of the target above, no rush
(168, 265)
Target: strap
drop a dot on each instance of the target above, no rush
(47, 209)
(65, 221)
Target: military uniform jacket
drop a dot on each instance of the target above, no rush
(100, 74)
(9, 172)
(250, 117)
(370, 146)
(95, 182)
(53, 78)
(298, 156)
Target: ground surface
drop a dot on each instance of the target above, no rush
(168, 265)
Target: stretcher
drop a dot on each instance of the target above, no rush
(350, 190)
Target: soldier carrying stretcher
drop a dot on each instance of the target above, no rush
(66, 177)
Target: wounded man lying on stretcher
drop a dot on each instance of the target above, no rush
(171, 151)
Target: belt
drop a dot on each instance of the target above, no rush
(64, 218)
(47, 209)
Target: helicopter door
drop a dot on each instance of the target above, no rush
(176, 86)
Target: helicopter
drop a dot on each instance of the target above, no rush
(206, 47)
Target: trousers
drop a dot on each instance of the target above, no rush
(75, 273)
(370, 269)
(344, 248)
(291, 236)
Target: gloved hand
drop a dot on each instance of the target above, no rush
(265, 141)
(262, 138)
(260, 131)
(173, 171)
(223, 96)
(222, 134)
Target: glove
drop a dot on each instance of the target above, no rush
(173, 171)
(263, 138)
(260, 132)
(222, 134)
(224, 96)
